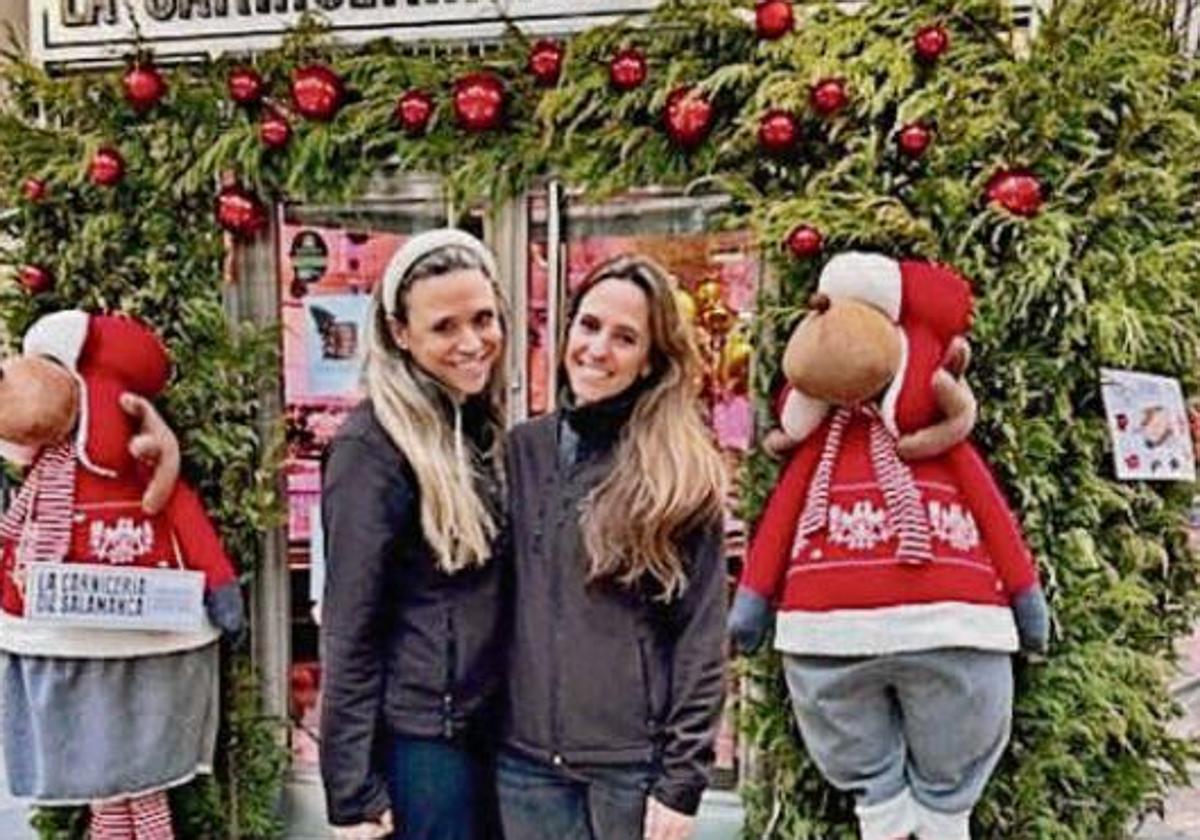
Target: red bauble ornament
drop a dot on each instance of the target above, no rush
(829, 96)
(106, 167)
(931, 42)
(479, 102)
(239, 211)
(773, 19)
(777, 132)
(546, 62)
(627, 69)
(413, 111)
(274, 131)
(144, 86)
(914, 139)
(1017, 191)
(689, 117)
(317, 92)
(805, 242)
(35, 279)
(34, 190)
(245, 85)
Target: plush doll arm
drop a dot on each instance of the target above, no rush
(154, 446)
(770, 550)
(956, 401)
(203, 552)
(1001, 534)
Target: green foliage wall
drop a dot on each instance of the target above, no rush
(1102, 110)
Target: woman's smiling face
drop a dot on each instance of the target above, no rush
(608, 342)
(453, 329)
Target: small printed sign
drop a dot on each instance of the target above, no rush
(1149, 424)
(114, 597)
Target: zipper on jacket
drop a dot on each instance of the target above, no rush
(451, 667)
(553, 557)
(647, 687)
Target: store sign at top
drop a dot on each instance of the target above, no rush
(98, 31)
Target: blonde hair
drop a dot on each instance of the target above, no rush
(455, 521)
(667, 478)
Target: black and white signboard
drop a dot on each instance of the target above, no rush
(115, 597)
(83, 31)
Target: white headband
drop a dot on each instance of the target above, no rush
(421, 246)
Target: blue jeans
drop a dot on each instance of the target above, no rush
(543, 802)
(441, 790)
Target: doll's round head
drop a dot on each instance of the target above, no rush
(39, 401)
(878, 331)
(843, 352)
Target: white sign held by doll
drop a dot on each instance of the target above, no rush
(115, 598)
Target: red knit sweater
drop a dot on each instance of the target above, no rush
(843, 592)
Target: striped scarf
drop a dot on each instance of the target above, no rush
(905, 512)
(39, 519)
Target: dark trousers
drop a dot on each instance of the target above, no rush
(441, 790)
(544, 802)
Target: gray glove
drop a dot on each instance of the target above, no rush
(226, 610)
(749, 619)
(1033, 620)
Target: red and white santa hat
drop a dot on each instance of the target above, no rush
(109, 355)
(930, 302)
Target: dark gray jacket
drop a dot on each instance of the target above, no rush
(598, 673)
(401, 642)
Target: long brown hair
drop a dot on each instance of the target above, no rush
(667, 477)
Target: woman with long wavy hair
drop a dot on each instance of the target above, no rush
(413, 611)
(615, 665)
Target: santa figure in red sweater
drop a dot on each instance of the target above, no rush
(103, 708)
(901, 578)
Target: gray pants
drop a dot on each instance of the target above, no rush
(914, 736)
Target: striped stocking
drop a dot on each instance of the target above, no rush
(110, 821)
(152, 817)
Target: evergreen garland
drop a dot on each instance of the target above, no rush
(1102, 110)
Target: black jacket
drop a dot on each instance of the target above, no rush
(402, 643)
(599, 673)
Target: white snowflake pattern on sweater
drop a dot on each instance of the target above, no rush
(863, 526)
(953, 525)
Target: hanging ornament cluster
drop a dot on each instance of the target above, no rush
(35, 279)
(627, 69)
(317, 92)
(1016, 190)
(144, 86)
(724, 351)
(246, 86)
(239, 211)
(688, 116)
(479, 102)
(773, 19)
(413, 111)
(546, 62)
(107, 167)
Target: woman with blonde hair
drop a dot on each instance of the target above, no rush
(413, 611)
(615, 665)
